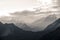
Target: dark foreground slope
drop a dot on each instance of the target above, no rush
(53, 31)
(12, 32)
(54, 35)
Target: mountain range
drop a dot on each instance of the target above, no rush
(37, 25)
(12, 32)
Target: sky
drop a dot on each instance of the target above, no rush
(10, 6)
(7, 6)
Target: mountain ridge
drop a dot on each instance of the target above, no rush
(44, 22)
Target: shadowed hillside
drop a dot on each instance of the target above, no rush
(52, 32)
(12, 32)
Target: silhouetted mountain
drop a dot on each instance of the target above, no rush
(54, 35)
(53, 26)
(52, 32)
(12, 32)
(44, 22)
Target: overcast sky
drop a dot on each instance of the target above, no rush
(17, 5)
(8, 6)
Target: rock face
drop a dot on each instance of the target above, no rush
(52, 31)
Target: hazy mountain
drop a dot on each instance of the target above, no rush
(41, 24)
(53, 31)
(24, 16)
(24, 26)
